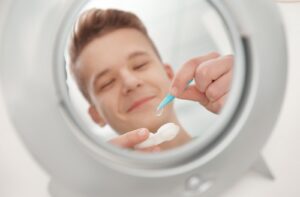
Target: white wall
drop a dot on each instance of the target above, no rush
(21, 176)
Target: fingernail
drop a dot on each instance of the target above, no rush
(174, 91)
(142, 132)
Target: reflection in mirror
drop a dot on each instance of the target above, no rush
(126, 62)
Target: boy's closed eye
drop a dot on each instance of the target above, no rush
(140, 66)
(107, 84)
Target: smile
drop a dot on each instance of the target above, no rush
(139, 103)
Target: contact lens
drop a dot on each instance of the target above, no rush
(159, 112)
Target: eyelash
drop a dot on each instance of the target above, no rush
(140, 66)
(107, 84)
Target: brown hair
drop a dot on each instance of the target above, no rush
(95, 23)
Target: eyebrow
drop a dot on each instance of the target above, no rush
(137, 53)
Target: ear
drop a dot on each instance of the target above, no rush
(169, 70)
(96, 116)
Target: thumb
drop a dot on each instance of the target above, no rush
(131, 138)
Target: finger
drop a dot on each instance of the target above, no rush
(152, 149)
(219, 87)
(192, 93)
(217, 106)
(130, 139)
(211, 70)
(187, 72)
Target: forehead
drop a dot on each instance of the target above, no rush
(114, 47)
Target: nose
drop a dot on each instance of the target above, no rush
(130, 82)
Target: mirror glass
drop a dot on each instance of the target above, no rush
(124, 57)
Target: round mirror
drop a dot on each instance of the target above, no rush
(124, 61)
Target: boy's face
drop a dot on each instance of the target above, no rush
(125, 80)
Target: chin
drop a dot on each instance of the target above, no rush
(152, 123)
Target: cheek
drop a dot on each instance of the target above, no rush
(164, 82)
(109, 104)
(160, 77)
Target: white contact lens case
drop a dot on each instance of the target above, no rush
(166, 132)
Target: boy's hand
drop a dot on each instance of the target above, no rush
(212, 74)
(132, 138)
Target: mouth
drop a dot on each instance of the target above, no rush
(140, 102)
